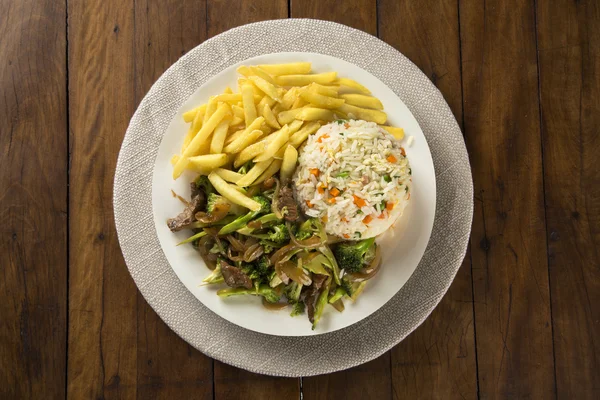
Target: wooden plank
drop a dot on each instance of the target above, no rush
(226, 14)
(510, 275)
(438, 359)
(102, 360)
(167, 366)
(231, 382)
(371, 380)
(568, 51)
(33, 199)
(359, 14)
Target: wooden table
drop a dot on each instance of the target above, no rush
(522, 318)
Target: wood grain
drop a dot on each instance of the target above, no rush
(167, 367)
(231, 382)
(508, 242)
(438, 359)
(359, 14)
(569, 63)
(33, 199)
(102, 361)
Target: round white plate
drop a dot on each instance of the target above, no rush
(402, 247)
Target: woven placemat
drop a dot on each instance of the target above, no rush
(292, 356)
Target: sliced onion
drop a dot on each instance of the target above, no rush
(311, 243)
(273, 306)
(232, 257)
(369, 271)
(235, 243)
(296, 274)
(275, 202)
(220, 211)
(211, 262)
(338, 305)
(253, 252)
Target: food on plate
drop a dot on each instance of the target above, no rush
(294, 177)
(356, 176)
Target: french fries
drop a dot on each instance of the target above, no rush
(278, 140)
(360, 100)
(276, 108)
(231, 193)
(301, 80)
(290, 157)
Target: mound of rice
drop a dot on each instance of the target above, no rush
(355, 177)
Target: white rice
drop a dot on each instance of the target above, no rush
(364, 163)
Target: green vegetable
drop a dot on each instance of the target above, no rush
(265, 220)
(292, 292)
(353, 290)
(351, 255)
(204, 184)
(340, 121)
(343, 175)
(263, 290)
(358, 234)
(306, 229)
(359, 212)
(259, 270)
(332, 263)
(410, 171)
(387, 178)
(224, 221)
(320, 306)
(245, 168)
(192, 238)
(316, 265)
(215, 277)
(240, 222)
(297, 309)
(338, 294)
(277, 234)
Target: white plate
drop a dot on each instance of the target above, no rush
(400, 257)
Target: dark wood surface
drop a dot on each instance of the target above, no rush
(522, 317)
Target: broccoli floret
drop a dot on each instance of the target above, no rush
(350, 256)
(263, 290)
(347, 286)
(297, 309)
(278, 234)
(292, 292)
(213, 200)
(245, 168)
(203, 183)
(240, 222)
(306, 230)
(215, 277)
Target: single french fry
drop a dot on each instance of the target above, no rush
(331, 91)
(254, 173)
(265, 100)
(210, 109)
(398, 133)
(360, 100)
(188, 138)
(285, 117)
(237, 111)
(263, 74)
(232, 194)
(299, 103)
(364, 113)
(268, 88)
(270, 117)
(209, 161)
(318, 100)
(288, 166)
(180, 166)
(250, 152)
(243, 141)
(188, 116)
(302, 80)
(248, 102)
(230, 98)
(352, 84)
(219, 135)
(278, 140)
(299, 137)
(234, 135)
(294, 126)
(315, 114)
(223, 110)
(269, 172)
(289, 98)
(174, 159)
(287, 69)
(228, 175)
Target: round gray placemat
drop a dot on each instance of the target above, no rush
(292, 356)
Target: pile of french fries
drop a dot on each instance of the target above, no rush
(276, 108)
